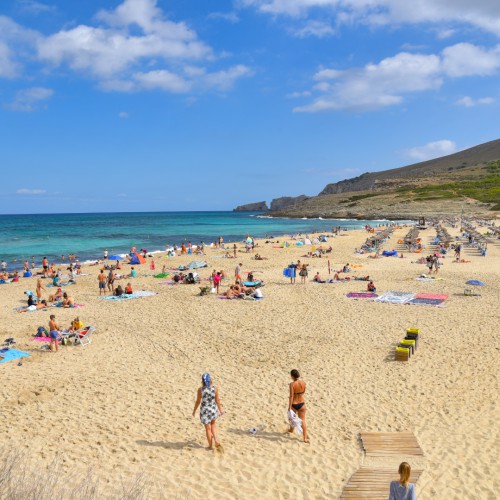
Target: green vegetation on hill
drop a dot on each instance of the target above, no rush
(485, 190)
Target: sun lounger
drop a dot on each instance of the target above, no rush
(85, 338)
(408, 343)
(402, 354)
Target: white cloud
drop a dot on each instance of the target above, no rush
(26, 191)
(432, 150)
(231, 17)
(14, 42)
(30, 99)
(34, 7)
(319, 29)
(446, 33)
(123, 115)
(297, 95)
(190, 78)
(377, 85)
(8, 66)
(484, 14)
(465, 59)
(133, 47)
(469, 102)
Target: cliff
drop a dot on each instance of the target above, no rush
(259, 206)
(444, 166)
(287, 201)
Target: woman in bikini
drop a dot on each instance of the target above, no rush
(297, 402)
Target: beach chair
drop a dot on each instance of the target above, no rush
(408, 343)
(402, 354)
(86, 337)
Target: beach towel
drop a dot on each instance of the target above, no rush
(251, 284)
(396, 297)
(361, 295)
(135, 295)
(436, 296)
(429, 279)
(43, 339)
(8, 354)
(426, 302)
(295, 422)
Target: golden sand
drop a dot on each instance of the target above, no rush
(123, 404)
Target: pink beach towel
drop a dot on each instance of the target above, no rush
(437, 296)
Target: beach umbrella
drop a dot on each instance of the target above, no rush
(115, 257)
(475, 283)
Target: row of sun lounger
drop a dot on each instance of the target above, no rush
(408, 346)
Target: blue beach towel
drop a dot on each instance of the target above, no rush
(135, 295)
(7, 355)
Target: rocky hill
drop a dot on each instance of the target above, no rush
(287, 201)
(259, 206)
(468, 180)
(436, 168)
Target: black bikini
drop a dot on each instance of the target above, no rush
(298, 406)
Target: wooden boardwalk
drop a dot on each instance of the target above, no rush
(377, 444)
(371, 483)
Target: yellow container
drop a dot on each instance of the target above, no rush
(414, 331)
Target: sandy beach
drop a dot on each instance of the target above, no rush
(122, 405)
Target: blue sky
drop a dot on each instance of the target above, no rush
(132, 105)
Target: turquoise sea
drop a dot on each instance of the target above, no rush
(87, 235)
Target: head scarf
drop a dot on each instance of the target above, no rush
(206, 379)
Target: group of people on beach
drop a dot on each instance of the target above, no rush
(208, 401)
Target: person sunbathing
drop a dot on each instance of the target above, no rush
(128, 289)
(317, 278)
(68, 301)
(41, 305)
(56, 297)
(118, 292)
(371, 287)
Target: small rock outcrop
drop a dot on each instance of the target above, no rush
(259, 206)
(287, 201)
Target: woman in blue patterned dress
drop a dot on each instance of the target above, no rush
(210, 408)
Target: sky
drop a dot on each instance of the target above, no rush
(176, 105)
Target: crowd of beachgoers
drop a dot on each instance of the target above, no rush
(55, 287)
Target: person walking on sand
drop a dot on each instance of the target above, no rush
(237, 273)
(54, 333)
(39, 288)
(102, 282)
(303, 274)
(403, 489)
(111, 280)
(297, 401)
(234, 250)
(207, 399)
(216, 281)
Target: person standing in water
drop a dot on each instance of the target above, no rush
(403, 489)
(297, 401)
(207, 398)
